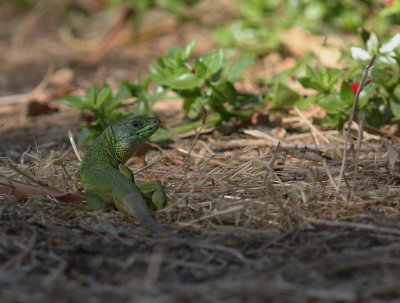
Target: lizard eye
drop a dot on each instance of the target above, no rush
(137, 124)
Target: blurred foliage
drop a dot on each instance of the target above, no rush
(171, 6)
(141, 8)
(259, 26)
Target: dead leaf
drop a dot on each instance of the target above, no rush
(7, 187)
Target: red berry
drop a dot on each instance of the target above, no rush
(89, 118)
(387, 2)
(354, 86)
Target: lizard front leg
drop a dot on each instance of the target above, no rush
(96, 199)
(155, 191)
(152, 190)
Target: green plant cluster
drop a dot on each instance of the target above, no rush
(384, 91)
(141, 8)
(104, 106)
(336, 88)
(203, 83)
(171, 6)
(207, 81)
(261, 23)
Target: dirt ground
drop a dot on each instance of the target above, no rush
(256, 222)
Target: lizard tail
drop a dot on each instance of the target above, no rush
(134, 204)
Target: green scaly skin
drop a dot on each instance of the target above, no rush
(107, 181)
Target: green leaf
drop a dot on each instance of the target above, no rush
(188, 50)
(142, 108)
(391, 45)
(372, 44)
(334, 75)
(194, 106)
(172, 62)
(158, 74)
(91, 94)
(395, 107)
(184, 81)
(359, 54)
(187, 102)
(179, 77)
(217, 105)
(139, 90)
(387, 59)
(307, 82)
(104, 95)
(310, 72)
(374, 116)
(323, 77)
(225, 91)
(334, 120)
(216, 76)
(158, 94)
(236, 71)
(116, 102)
(392, 9)
(188, 93)
(160, 61)
(365, 95)
(200, 69)
(172, 52)
(75, 101)
(346, 92)
(332, 103)
(213, 61)
(285, 97)
(306, 102)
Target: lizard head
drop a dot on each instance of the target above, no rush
(130, 133)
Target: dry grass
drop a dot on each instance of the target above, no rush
(257, 224)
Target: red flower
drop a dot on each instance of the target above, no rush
(193, 71)
(354, 86)
(89, 118)
(387, 2)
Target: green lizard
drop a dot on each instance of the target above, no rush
(107, 181)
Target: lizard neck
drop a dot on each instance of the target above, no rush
(104, 148)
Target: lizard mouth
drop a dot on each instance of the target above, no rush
(148, 130)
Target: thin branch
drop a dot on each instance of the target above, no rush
(359, 141)
(353, 110)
